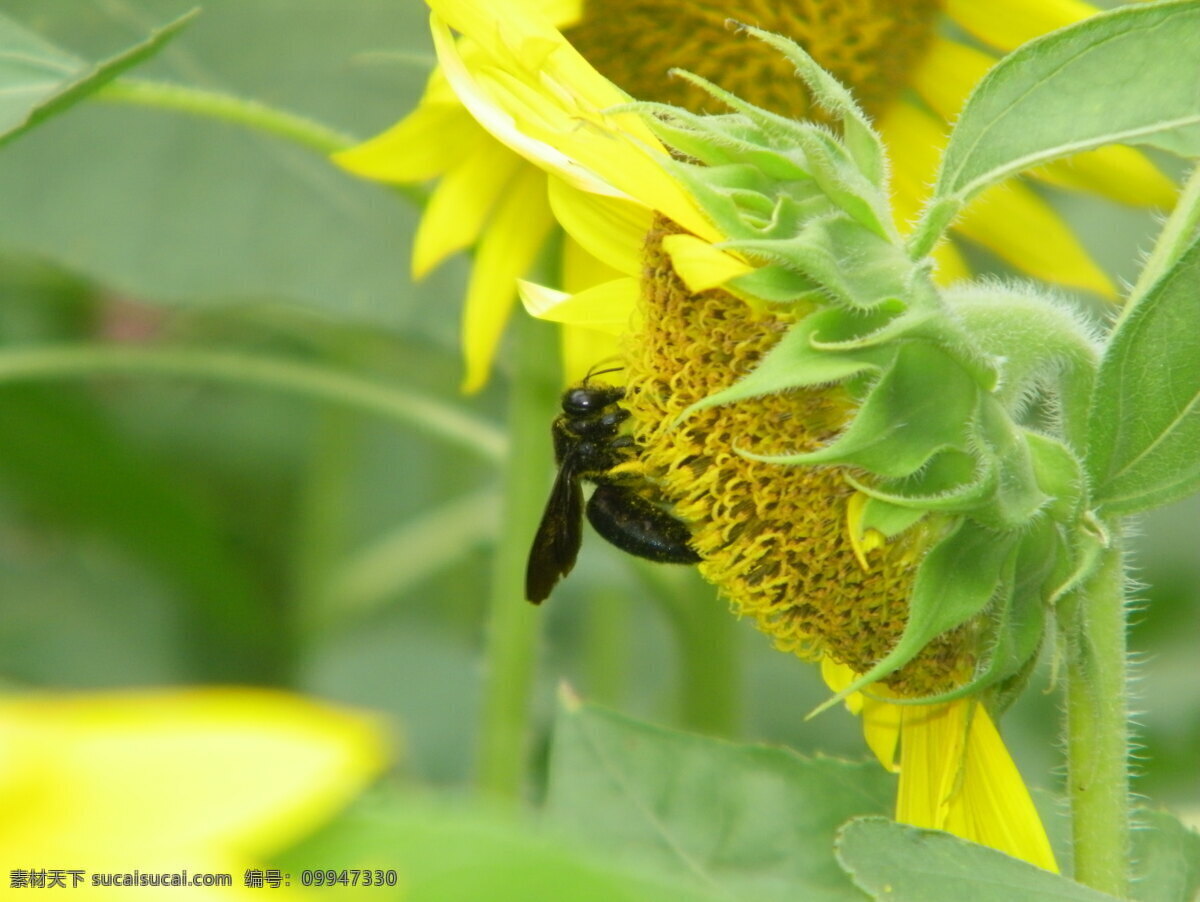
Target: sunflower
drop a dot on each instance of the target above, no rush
(779, 541)
(910, 62)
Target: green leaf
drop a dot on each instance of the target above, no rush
(922, 405)
(747, 822)
(1144, 426)
(906, 864)
(956, 581)
(852, 264)
(803, 358)
(1124, 77)
(185, 211)
(453, 853)
(39, 80)
(1168, 859)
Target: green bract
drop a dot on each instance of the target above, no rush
(972, 404)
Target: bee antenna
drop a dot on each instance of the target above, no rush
(595, 372)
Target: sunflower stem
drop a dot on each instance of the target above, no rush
(513, 627)
(1097, 725)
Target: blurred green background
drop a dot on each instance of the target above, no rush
(167, 530)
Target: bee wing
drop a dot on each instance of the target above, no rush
(559, 535)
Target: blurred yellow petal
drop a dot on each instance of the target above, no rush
(1120, 173)
(1009, 219)
(152, 774)
(608, 228)
(561, 13)
(700, 265)
(510, 244)
(462, 204)
(608, 307)
(948, 73)
(583, 348)
(1018, 226)
(957, 775)
(429, 141)
(1009, 24)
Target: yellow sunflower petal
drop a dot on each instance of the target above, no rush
(1010, 24)
(581, 270)
(583, 348)
(459, 208)
(544, 100)
(948, 73)
(1018, 226)
(561, 13)
(700, 265)
(432, 139)
(881, 723)
(1117, 172)
(837, 677)
(608, 307)
(1009, 219)
(608, 228)
(957, 775)
(156, 771)
(496, 106)
(509, 246)
(862, 540)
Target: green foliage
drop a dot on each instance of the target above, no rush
(213, 215)
(880, 855)
(1122, 77)
(39, 80)
(743, 821)
(1145, 420)
(1167, 856)
(451, 853)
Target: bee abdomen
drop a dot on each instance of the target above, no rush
(638, 526)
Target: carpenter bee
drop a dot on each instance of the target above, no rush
(588, 445)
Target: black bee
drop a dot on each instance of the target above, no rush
(588, 445)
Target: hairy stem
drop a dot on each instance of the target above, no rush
(231, 108)
(1097, 725)
(513, 627)
(253, 114)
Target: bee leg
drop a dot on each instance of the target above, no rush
(638, 526)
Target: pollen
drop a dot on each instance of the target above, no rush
(871, 45)
(772, 538)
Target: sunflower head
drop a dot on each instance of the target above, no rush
(871, 44)
(842, 437)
